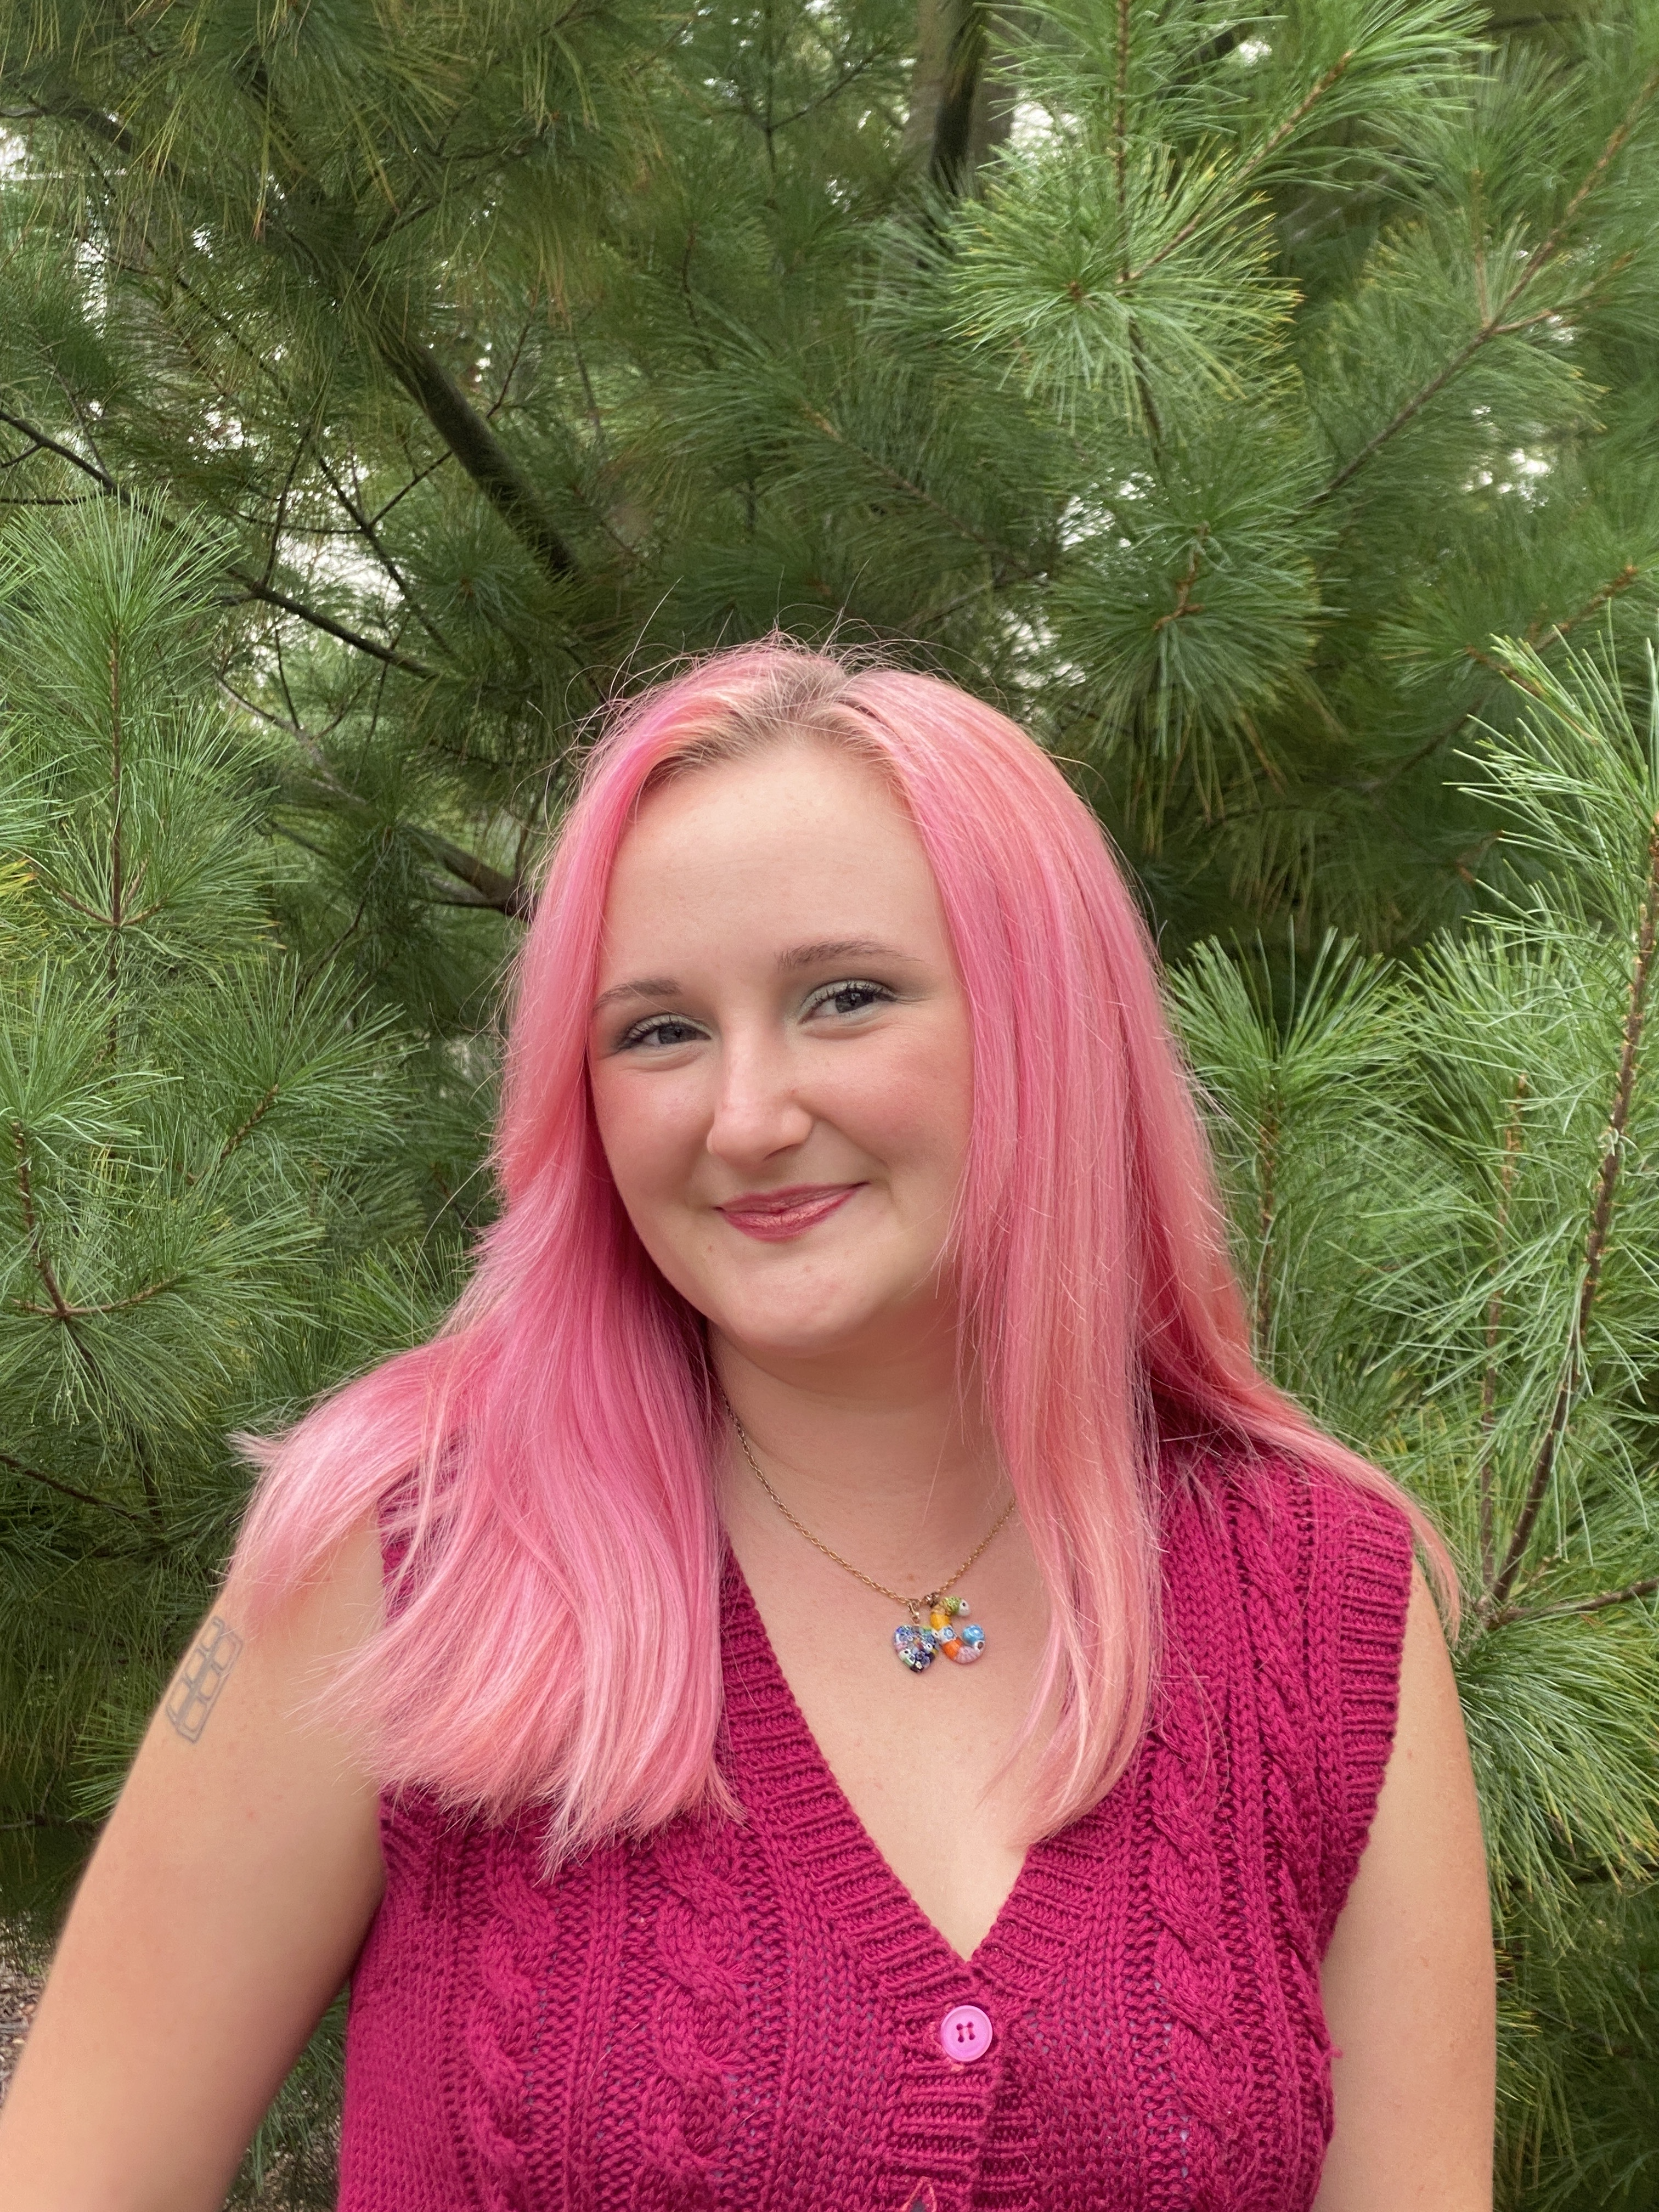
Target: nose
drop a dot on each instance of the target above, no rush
(756, 1113)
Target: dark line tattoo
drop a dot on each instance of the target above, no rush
(200, 1679)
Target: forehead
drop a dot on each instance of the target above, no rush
(803, 832)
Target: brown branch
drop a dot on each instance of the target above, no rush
(253, 586)
(1584, 1605)
(66, 1312)
(377, 546)
(1267, 1165)
(253, 589)
(508, 895)
(1596, 1242)
(38, 1253)
(1611, 590)
(1185, 604)
(1494, 1322)
(240, 1135)
(1537, 634)
(69, 1490)
(498, 473)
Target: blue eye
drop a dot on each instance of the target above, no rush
(852, 997)
(662, 1029)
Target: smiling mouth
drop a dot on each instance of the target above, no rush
(774, 1216)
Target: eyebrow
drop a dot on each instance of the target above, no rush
(788, 964)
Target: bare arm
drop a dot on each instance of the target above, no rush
(221, 1912)
(1408, 1979)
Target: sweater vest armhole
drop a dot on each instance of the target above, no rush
(1362, 1576)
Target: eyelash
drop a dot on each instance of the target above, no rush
(653, 1024)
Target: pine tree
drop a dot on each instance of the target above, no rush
(1444, 1188)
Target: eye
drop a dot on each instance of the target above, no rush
(852, 997)
(660, 1031)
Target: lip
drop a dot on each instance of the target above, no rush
(773, 1217)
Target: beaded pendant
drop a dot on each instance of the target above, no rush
(918, 1647)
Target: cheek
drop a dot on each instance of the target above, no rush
(914, 1112)
(647, 1131)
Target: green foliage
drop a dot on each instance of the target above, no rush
(1264, 367)
(210, 1203)
(1444, 1187)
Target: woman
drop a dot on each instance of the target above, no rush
(688, 1837)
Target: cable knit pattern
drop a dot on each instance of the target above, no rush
(1194, 1973)
(515, 1950)
(745, 2016)
(1274, 1579)
(700, 1931)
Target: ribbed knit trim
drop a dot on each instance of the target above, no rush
(1376, 1591)
(937, 2128)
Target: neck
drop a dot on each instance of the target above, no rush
(893, 1463)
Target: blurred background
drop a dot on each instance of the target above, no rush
(1262, 407)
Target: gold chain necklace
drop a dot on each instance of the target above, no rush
(917, 1645)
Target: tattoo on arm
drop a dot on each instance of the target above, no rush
(200, 1679)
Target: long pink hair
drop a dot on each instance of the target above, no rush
(554, 1631)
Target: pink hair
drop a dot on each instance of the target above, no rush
(550, 1453)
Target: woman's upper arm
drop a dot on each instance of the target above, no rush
(1408, 1978)
(221, 1911)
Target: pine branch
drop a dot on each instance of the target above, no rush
(1185, 603)
(903, 483)
(503, 480)
(1595, 1245)
(510, 895)
(498, 474)
(1538, 632)
(102, 1307)
(1267, 1137)
(1494, 1322)
(1498, 325)
(253, 587)
(1510, 1614)
(240, 1135)
(1235, 179)
(493, 887)
(372, 537)
(116, 853)
(37, 1250)
(264, 593)
(1121, 132)
(68, 1489)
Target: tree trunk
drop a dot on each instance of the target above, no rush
(962, 93)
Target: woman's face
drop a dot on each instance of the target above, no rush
(779, 1055)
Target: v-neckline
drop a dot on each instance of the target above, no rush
(781, 1771)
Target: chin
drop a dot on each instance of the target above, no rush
(811, 1327)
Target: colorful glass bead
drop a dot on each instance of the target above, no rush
(914, 1646)
(974, 1634)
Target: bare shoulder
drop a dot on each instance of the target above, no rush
(221, 1911)
(1408, 1978)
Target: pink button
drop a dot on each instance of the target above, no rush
(965, 2032)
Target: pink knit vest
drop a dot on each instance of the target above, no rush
(747, 2016)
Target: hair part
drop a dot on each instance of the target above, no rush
(545, 1466)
